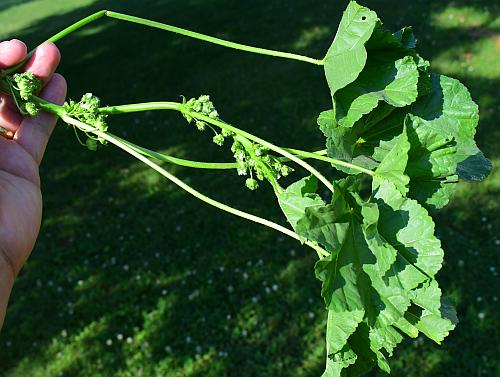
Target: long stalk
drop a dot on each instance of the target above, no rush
(122, 144)
(173, 29)
(180, 107)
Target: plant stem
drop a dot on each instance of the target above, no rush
(206, 38)
(334, 161)
(124, 145)
(180, 107)
(173, 29)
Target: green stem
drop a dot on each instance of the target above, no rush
(124, 109)
(124, 145)
(179, 161)
(179, 107)
(334, 161)
(217, 41)
(56, 37)
(173, 29)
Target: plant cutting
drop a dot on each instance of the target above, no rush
(398, 139)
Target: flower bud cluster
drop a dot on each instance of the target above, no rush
(203, 105)
(27, 85)
(87, 111)
(254, 160)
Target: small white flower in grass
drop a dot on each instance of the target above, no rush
(157, 255)
(230, 289)
(479, 299)
(497, 242)
(461, 263)
(495, 298)
(8, 343)
(119, 337)
(481, 316)
(168, 349)
(275, 287)
(198, 349)
(188, 339)
(493, 269)
(268, 290)
(255, 300)
(245, 275)
(129, 340)
(292, 253)
(126, 267)
(244, 332)
(50, 283)
(221, 268)
(80, 282)
(109, 342)
(311, 315)
(64, 333)
(228, 317)
(164, 292)
(484, 219)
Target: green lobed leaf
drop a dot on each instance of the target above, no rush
(297, 197)
(442, 126)
(383, 254)
(394, 82)
(393, 157)
(346, 56)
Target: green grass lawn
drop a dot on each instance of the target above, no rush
(132, 277)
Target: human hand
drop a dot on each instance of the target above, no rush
(20, 157)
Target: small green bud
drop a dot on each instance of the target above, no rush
(28, 84)
(277, 166)
(260, 174)
(207, 108)
(201, 125)
(100, 123)
(218, 139)
(213, 114)
(236, 147)
(91, 144)
(252, 184)
(31, 109)
(286, 170)
(240, 155)
(197, 106)
(227, 133)
(204, 98)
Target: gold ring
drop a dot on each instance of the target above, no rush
(6, 133)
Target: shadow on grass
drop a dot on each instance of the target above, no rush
(124, 254)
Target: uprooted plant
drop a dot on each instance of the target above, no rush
(408, 130)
